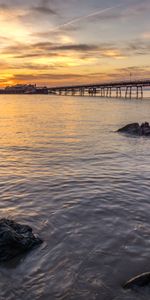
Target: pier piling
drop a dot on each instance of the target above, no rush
(123, 89)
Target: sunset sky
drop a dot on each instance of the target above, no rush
(56, 42)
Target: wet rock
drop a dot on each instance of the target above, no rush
(145, 128)
(133, 128)
(136, 129)
(138, 281)
(15, 239)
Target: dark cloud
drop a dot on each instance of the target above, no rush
(76, 47)
(51, 79)
(30, 55)
(56, 33)
(138, 47)
(4, 6)
(124, 73)
(47, 76)
(84, 51)
(44, 8)
(34, 66)
(29, 12)
(59, 79)
(30, 66)
(135, 69)
(45, 48)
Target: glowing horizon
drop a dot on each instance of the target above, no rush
(63, 42)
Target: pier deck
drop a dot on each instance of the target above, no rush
(120, 89)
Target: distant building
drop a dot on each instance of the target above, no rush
(25, 89)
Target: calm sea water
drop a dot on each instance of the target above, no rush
(84, 188)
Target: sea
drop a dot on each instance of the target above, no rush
(84, 188)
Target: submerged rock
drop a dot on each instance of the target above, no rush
(136, 129)
(15, 239)
(138, 281)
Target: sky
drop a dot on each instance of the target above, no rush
(59, 42)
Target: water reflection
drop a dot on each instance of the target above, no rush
(83, 187)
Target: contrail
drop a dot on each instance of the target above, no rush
(94, 13)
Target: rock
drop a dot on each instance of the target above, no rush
(15, 239)
(133, 128)
(145, 128)
(138, 281)
(136, 129)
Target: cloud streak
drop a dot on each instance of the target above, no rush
(92, 14)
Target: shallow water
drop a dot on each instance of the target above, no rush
(84, 188)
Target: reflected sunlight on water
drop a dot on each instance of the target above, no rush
(85, 188)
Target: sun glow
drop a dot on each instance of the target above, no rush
(37, 42)
(12, 30)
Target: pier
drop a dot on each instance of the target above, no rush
(120, 89)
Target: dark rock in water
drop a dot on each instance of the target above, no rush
(15, 239)
(133, 128)
(138, 281)
(136, 129)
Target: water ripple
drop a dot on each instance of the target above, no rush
(67, 173)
